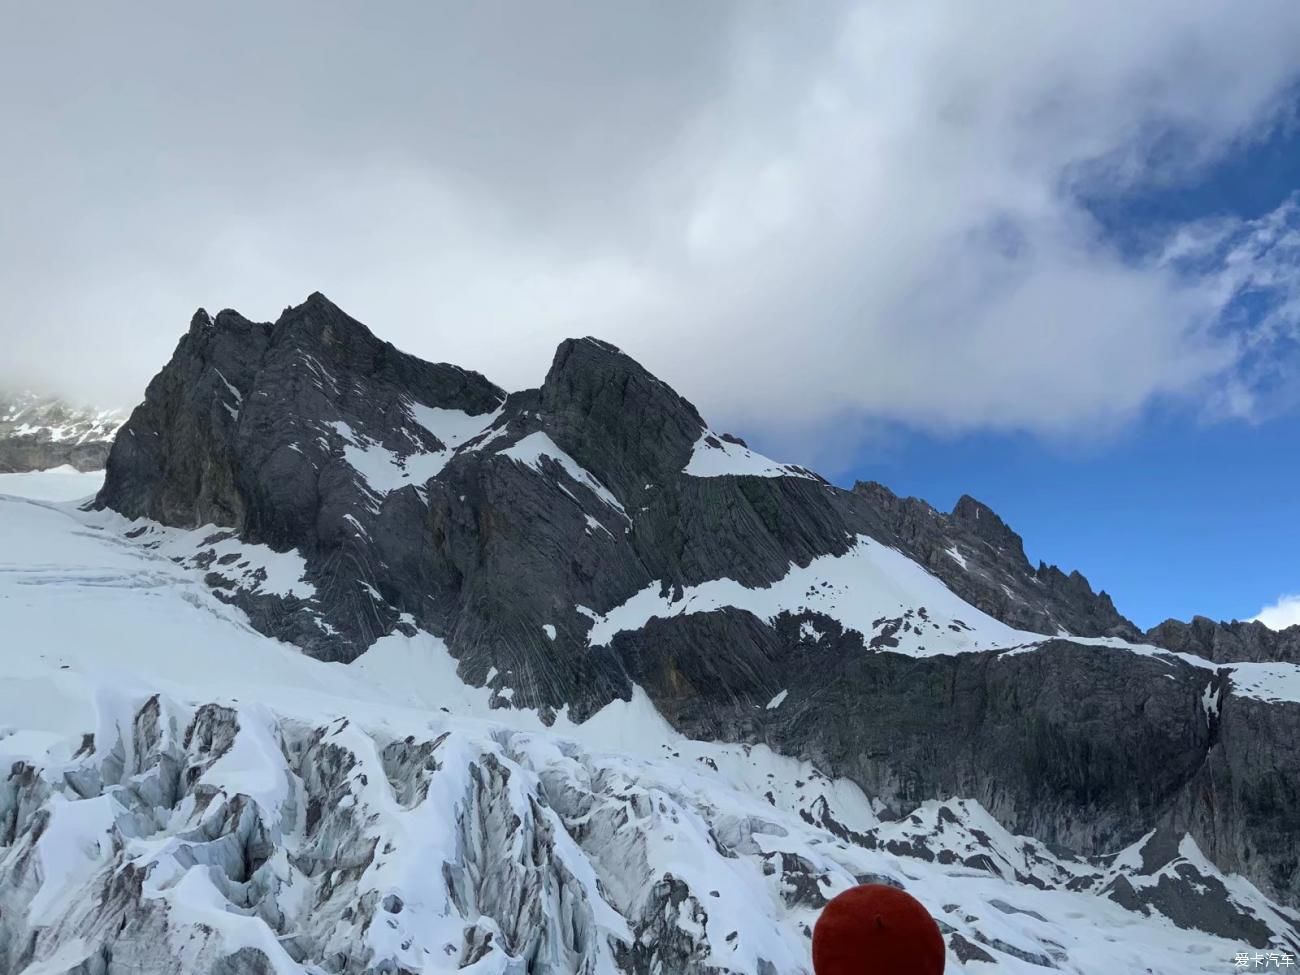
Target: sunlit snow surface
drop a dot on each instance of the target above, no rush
(1275, 682)
(716, 457)
(381, 816)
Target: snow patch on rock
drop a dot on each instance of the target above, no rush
(453, 428)
(534, 448)
(712, 456)
(808, 631)
(869, 589)
(1273, 682)
(384, 470)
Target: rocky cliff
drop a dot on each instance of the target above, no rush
(1227, 641)
(573, 542)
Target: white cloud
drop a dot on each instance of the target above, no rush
(1283, 613)
(1231, 262)
(809, 221)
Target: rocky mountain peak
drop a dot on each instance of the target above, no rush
(983, 522)
(317, 335)
(320, 323)
(199, 321)
(615, 417)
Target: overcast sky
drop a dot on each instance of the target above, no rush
(809, 218)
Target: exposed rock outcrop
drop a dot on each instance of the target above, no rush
(1226, 642)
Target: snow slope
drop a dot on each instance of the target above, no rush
(866, 589)
(895, 605)
(188, 795)
(713, 456)
(62, 483)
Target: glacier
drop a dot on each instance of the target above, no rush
(187, 794)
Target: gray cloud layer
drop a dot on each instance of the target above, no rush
(807, 217)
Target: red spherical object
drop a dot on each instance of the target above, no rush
(877, 930)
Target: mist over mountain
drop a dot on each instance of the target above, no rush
(39, 432)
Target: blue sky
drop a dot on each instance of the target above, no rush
(1174, 518)
(1178, 514)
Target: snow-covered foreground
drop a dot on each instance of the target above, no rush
(186, 795)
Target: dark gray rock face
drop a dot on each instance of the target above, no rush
(249, 428)
(41, 432)
(1225, 642)
(422, 495)
(1084, 747)
(1243, 804)
(980, 558)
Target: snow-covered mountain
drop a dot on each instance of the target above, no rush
(188, 795)
(359, 664)
(44, 432)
